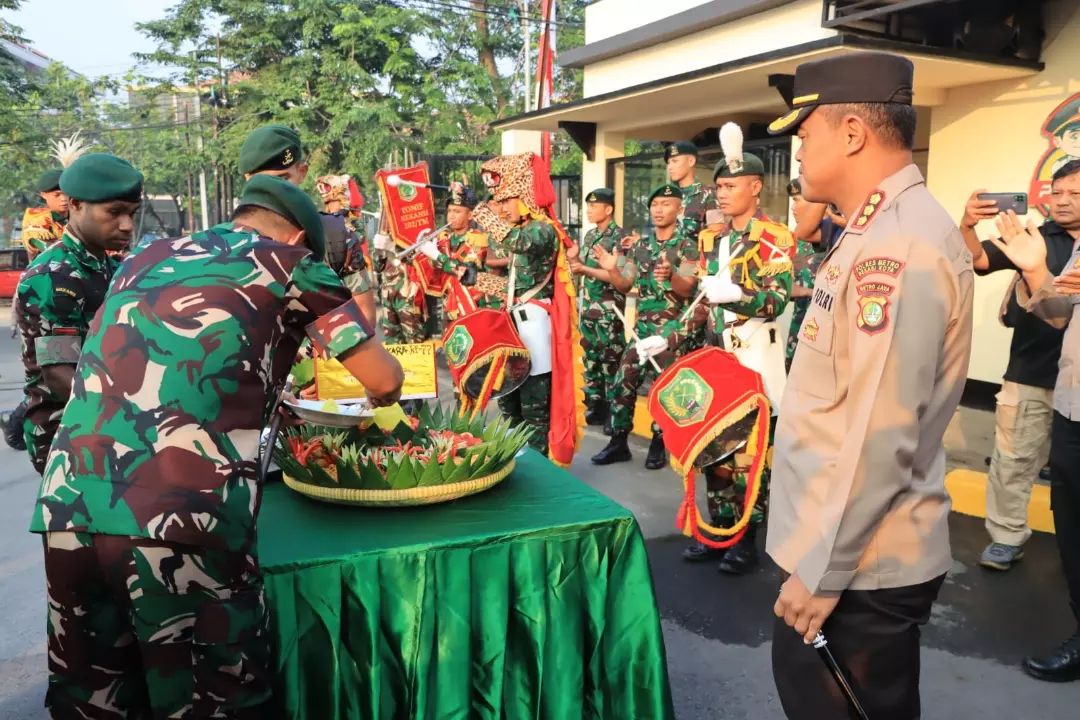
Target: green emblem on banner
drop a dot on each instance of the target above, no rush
(457, 346)
(686, 398)
(406, 192)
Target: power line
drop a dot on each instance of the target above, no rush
(499, 11)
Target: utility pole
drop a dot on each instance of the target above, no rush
(199, 140)
(528, 53)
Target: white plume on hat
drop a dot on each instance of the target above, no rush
(731, 142)
(68, 150)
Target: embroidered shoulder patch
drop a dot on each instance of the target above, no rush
(877, 266)
(869, 209)
(810, 329)
(873, 314)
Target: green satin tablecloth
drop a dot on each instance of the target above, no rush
(530, 600)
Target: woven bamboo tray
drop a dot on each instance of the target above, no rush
(401, 498)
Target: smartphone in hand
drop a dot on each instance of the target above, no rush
(1017, 202)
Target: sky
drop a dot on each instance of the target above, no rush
(92, 37)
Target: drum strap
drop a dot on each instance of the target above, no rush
(530, 293)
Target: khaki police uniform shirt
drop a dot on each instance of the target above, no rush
(858, 486)
(1061, 311)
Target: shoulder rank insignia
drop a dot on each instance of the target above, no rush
(866, 213)
(707, 241)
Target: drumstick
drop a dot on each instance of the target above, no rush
(633, 334)
(701, 295)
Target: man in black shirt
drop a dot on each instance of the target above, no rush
(1025, 403)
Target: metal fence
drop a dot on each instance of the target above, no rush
(640, 174)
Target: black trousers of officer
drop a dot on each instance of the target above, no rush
(1065, 500)
(874, 635)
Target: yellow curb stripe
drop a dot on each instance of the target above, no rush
(968, 491)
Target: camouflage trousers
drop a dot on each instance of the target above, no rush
(799, 308)
(628, 380)
(402, 318)
(38, 438)
(725, 488)
(603, 341)
(530, 405)
(143, 629)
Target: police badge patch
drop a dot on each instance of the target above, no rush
(873, 314)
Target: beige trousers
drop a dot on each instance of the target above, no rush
(1021, 448)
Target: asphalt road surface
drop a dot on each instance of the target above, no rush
(716, 628)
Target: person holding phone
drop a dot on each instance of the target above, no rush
(1055, 298)
(1025, 403)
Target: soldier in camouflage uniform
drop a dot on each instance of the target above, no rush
(401, 294)
(150, 496)
(42, 226)
(697, 197)
(533, 248)
(602, 335)
(755, 287)
(344, 241)
(458, 251)
(65, 285)
(663, 269)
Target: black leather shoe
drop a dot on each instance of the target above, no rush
(657, 457)
(616, 451)
(700, 553)
(1062, 665)
(596, 415)
(742, 557)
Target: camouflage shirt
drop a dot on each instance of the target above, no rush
(762, 267)
(659, 307)
(56, 300)
(175, 385)
(345, 252)
(698, 199)
(462, 249)
(597, 292)
(534, 245)
(41, 227)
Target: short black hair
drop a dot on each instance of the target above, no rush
(894, 123)
(1068, 169)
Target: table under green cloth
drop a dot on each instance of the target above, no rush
(531, 600)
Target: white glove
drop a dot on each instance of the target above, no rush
(382, 241)
(650, 347)
(719, 290)
(429, 248)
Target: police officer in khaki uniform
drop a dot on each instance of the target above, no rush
(859, 515)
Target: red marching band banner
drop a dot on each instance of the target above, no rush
(408, 209)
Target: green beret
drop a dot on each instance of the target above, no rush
(49, 180)
(601, 195)
(290, 202)
(271, 147)
(750, 165)
(683, 147)
(99, 177)
(665, 191)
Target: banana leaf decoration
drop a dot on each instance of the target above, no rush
(443, 447)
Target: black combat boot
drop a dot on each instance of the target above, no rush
(742, 557)
(700, 553)
(657, 457)
(597, 414)
(616, 451)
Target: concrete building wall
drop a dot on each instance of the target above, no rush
(989, 135)
(782, 27)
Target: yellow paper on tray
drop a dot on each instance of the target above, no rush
(334, 382)
(388, 418)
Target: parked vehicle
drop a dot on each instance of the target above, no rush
(13, 262)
